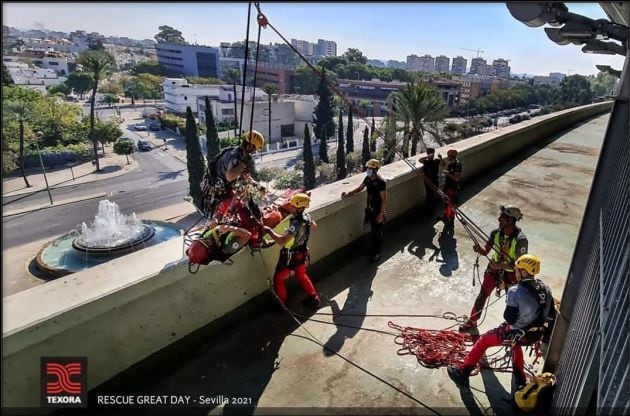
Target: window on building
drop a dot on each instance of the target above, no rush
(207, 64)
(287, 130)
(53, 63)
(227, 111)
(185, 98)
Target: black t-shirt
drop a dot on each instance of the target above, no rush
(300, 229)
(430, 169)
(374, 189)
(452, 167)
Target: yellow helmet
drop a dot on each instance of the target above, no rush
(255, 138)
(373, 164)
(300, 201)
(529, 263)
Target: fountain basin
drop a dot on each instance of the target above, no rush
(63, 256)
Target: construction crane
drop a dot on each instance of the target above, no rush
(473, 50)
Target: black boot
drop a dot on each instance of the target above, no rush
(459, 375)
(312, 301)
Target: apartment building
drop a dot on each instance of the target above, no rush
(427, 64)
(280, 76)
(501, 68)
(189, 60)
(474, 86)
(326, 48)
(442, 64)
(459, 66)
(478, 66)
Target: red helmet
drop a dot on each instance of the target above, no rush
(198, 252)
(451, 153)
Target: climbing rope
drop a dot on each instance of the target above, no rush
(433, 348)
(246, 56)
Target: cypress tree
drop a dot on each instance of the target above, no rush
(323, 118)
(365, 152)
(373, 138)
(212, 136)
(341, 154)
(350, 133)
(194, 158)
(309, 164)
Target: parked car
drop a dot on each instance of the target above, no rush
(140, 127)
(144, 146)
(155, 127)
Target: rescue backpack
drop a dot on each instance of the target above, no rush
(537, 394)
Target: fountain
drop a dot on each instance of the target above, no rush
(111, 235)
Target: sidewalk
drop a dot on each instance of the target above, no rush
(111, 165)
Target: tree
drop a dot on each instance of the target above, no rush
(350, 133)
(270, 90)
(355, 55)
(416, 105)
(204, 80)
(123, 147)
(212, 137)
(373, 137)
(168, 34)
(147, 86)
(306, 81)
(107, 132)
(194, 158)
(342, 170)
(309, 164)
(233, 75)
(150, 66)
(98, 64)
(575, 90)
(55, 119)
(365, 151)
(324, 124)
(22, 111)
(110, 99)
(6, 76)
(59, 89)
(80, 82)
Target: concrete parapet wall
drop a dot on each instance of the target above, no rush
(121, 312)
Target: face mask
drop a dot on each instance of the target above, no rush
(369, 172)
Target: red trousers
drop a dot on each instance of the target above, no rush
(490, 280)
(449, 212)
(283, 270)
(495, 338)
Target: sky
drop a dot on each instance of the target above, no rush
(379, 30)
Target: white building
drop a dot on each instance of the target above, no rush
(289, 114)
(33, 78)
(326, 48)
(413, 62)
(58, 64)
(556, 77)
(179, 94)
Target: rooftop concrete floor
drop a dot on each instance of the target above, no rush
(264, 356)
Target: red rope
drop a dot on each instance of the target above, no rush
(433, 348)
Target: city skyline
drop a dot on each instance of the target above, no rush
(406, 28)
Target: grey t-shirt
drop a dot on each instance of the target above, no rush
(519, 297)
(229, 160)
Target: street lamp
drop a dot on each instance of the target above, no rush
(41, 162)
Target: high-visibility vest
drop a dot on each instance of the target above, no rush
(498, 254)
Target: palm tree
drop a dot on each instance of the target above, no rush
(21, 110)
(270, 90)
(418, 104)
(233, 75)
(98, 64)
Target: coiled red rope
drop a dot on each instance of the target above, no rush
(433, 348)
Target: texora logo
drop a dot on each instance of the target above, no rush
(64, 381)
